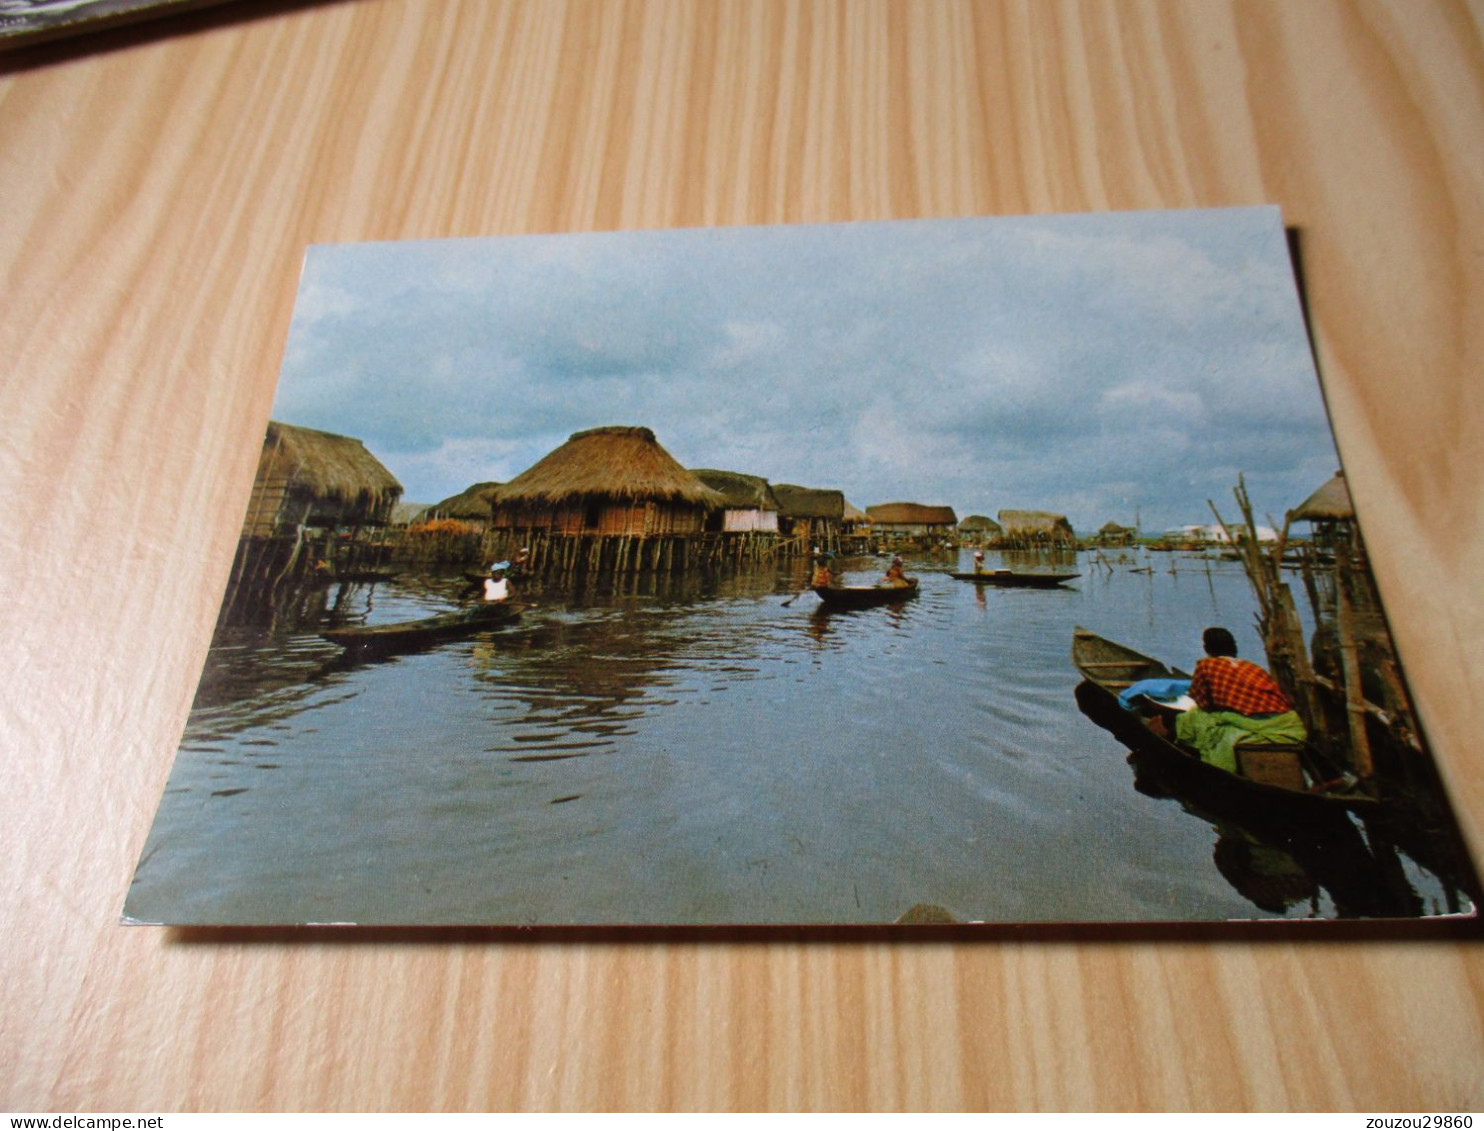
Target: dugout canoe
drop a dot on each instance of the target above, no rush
(864, 596)
(1012, 579)
(1292, 782)
(414, 635)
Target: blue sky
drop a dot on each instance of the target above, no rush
(1096, 365)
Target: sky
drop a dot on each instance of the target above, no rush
(1107, 366)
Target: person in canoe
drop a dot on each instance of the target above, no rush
(1236, 701)
(823, 576)
(896, 577)
(497, 585)
(978, 561)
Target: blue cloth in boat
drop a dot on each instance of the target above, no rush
(1160, 690)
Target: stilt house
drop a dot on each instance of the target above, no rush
(979, 529)
(607, 482)
(1036, 529)
(748, 503)
(308, 478)
(1111, 534)
(815, 516)
(912, 520)
(475, 504)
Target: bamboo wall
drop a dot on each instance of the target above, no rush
(606, 518)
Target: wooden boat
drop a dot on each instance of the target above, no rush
(864, 596)
(413, 635)
(1279, 780)
(1011, 579)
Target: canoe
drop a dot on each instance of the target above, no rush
(412, 635)
(1010, 579)
(1291, 785)
(864, 596)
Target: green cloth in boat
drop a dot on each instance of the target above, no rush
(1215, 734)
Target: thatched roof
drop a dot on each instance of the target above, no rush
(1331, 503)
(912, 514)
(472, 502)
(809, 502)
(405, 513)
(853, 513)
(979, 522)
(326, 466)
(740, 492)
(1114, 528)
(612, 463)
(1029, 524)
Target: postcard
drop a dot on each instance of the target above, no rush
(987, 570)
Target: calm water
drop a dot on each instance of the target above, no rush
(706, 755)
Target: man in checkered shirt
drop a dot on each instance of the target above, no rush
(1224, 683)
(1236, 701)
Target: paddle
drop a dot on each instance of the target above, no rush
(794, 598)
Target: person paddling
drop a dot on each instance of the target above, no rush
(896, 577)
(496, 585)
(821, 576)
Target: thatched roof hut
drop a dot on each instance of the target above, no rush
(911, 518)
(979, 524)
(611, 480)
(809, 502)
(1331, 503)
(748, 501)
(405, 513)
(311, 478)
(475, 503)
(739, 491)
(1036, 526)
(1112, 534)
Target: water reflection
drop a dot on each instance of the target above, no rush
(696, 752)
(1280, 864)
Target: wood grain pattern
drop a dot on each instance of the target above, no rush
(158, 191)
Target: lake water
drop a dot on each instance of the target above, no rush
(700, 753)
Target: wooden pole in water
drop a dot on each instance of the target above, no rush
(1355, 712)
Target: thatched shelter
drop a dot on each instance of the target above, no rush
(814, 514)
(1036, 528)
(1331, 503)
(748, 502)
(606, 481)
(1112, 534)
(405, 513)
(308, 478)
(473, 504)
(912, 519)
(980, 526)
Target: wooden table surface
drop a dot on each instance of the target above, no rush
(158, 187)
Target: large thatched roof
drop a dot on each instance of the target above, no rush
(472, 502)
(979, 522)
(1113, 528)
(740, 492)
(325, 465)
(915, 514)
(1331, 503)
(1031, 524)
(809, 502)
(612, 463)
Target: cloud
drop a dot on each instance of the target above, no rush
(1067, 362)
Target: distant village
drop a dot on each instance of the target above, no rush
(609, 498)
